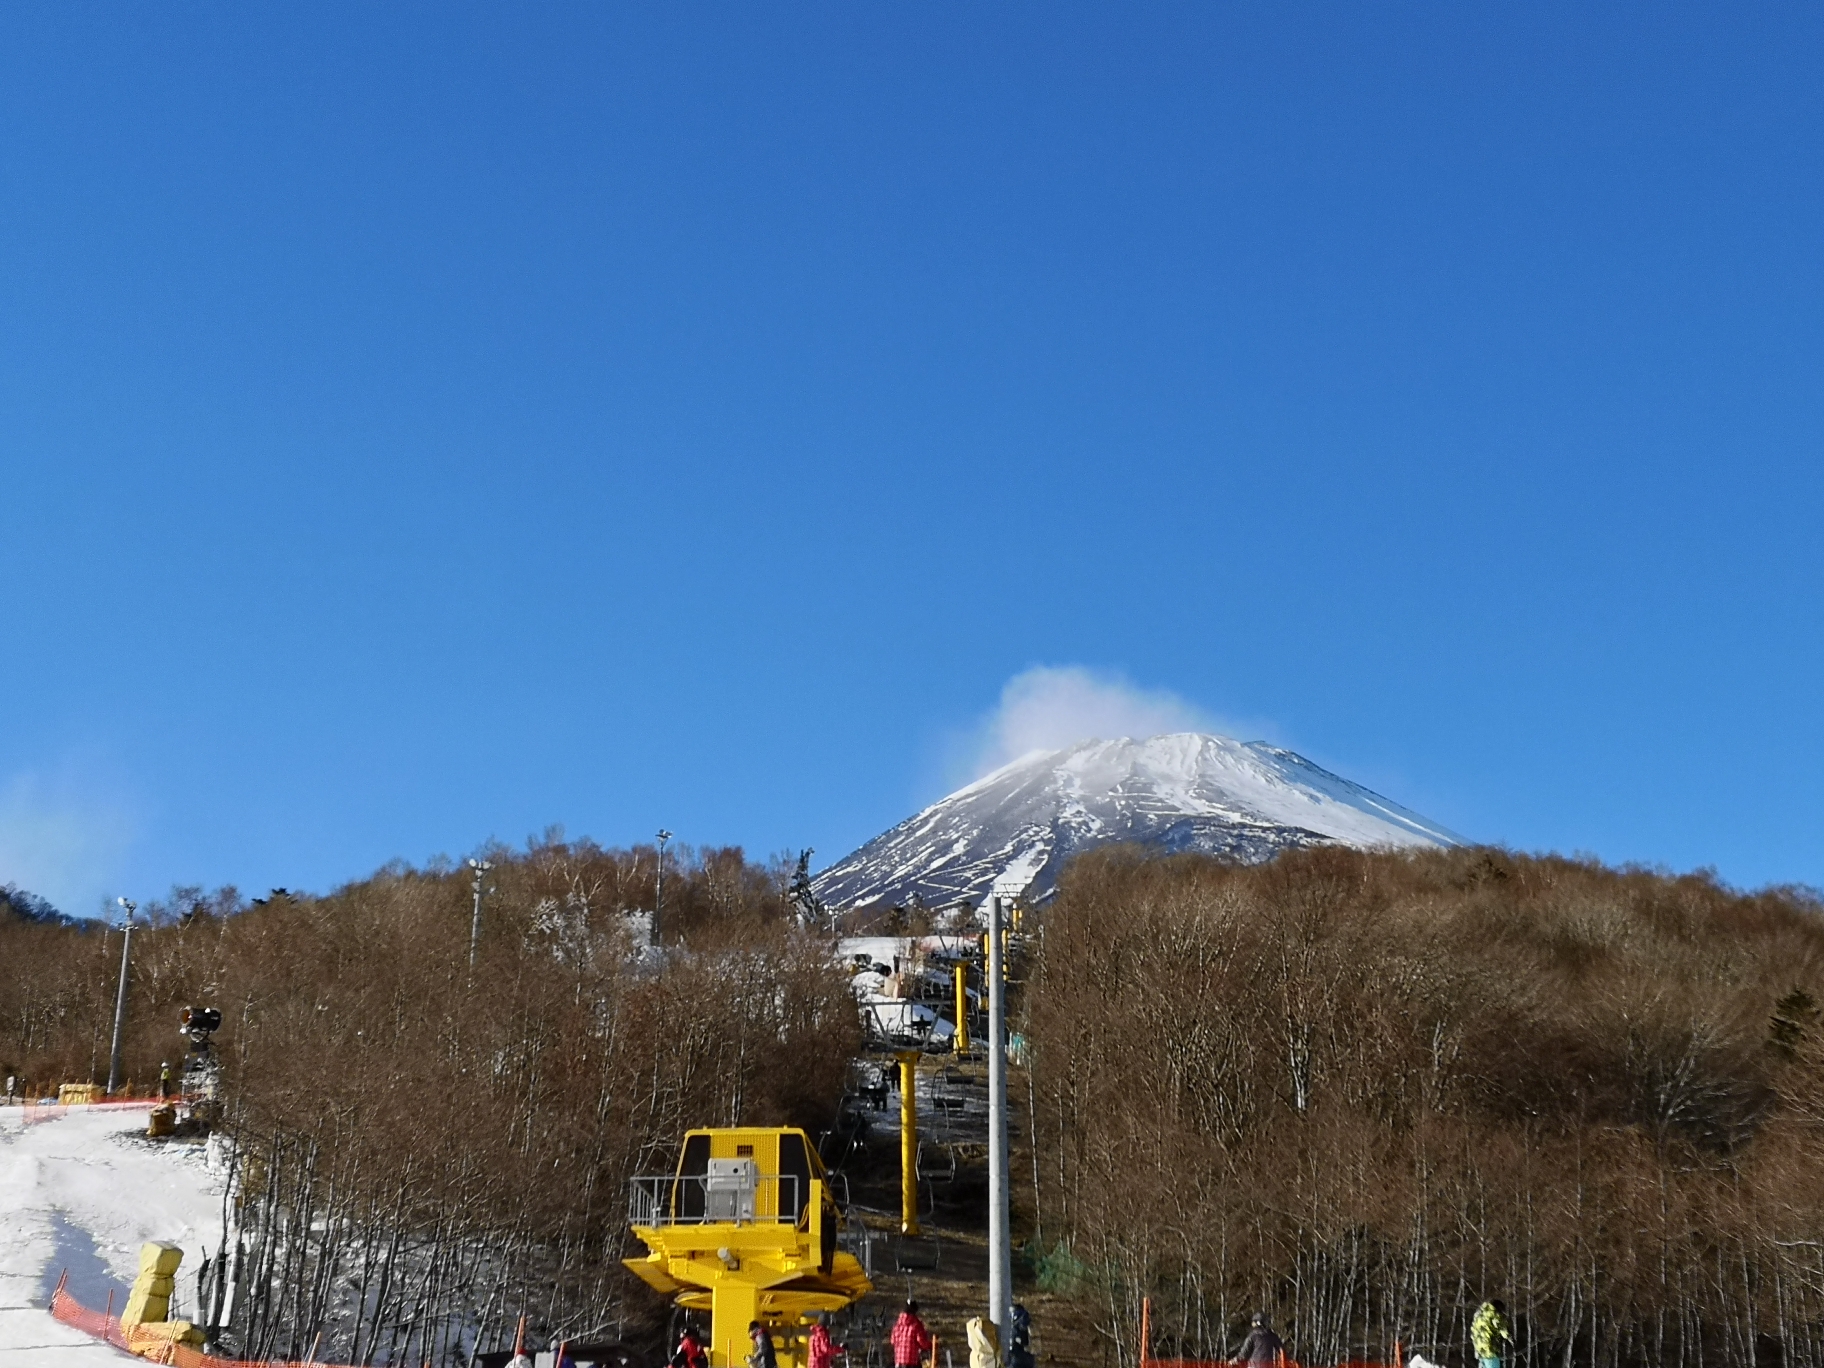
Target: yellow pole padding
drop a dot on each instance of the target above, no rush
(908, 1142)
(145, 1322)
(962, 1009)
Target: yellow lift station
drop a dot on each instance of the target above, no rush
(746, 1230)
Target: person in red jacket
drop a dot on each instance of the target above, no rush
(690, 1351)
(822, 1349)
(911, 1341)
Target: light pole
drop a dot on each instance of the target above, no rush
(1000, 1233)
(658, 897)
(480, 867)
(120, 997)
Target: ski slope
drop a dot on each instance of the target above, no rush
(84, 1190)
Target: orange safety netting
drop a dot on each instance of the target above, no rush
(1149, 1360)
(50, 1111)
(104, 1325)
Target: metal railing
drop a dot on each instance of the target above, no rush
(701, 1199)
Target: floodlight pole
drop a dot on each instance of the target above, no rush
(120, 997)
(658, 897)
(480, 867)
(1000, 1224)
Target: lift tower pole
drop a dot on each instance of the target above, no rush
(908, 1142)
(120, 998)
(1000, 1226)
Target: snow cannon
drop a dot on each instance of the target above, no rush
(202, 1078)
(746, 1229)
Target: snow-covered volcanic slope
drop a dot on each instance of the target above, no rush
(1243, 800)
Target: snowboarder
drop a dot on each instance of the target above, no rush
(763, 1356)
(164, 1081)
(911, 1341)
(821, 1349)
(1488, 1331)
(1262, 1347)
(690, 1351)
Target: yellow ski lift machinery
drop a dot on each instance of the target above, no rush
(746, 1230)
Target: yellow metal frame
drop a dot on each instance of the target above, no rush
(767, 1269)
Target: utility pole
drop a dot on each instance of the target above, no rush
(658, 897)
(481, 867)
(1000, 1223)
(120, 997)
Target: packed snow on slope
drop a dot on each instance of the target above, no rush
(84, 1191)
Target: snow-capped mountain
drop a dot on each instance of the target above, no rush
(1014, 829)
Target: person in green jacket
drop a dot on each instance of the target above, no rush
(1488, 1331)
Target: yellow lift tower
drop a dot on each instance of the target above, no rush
(746, 1230)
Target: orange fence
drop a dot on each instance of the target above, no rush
(37, 1111)
(105, 1326)
(1147, 1359)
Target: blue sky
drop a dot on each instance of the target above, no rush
(422, 424)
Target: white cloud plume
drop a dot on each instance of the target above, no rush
(63, 837)
(1052, 706)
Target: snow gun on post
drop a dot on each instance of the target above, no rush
(746, 1229)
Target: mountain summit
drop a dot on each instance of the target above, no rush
(1013, 830)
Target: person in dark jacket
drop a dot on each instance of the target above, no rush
(1262, 1348)
(763, 1356)
(1019, 1339)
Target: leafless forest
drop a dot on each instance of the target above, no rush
(424, 1149)
(1362, 1092)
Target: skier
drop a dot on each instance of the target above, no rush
(1019, 1346)
(690, 1351)
(1488, 1331)
(911, 1341)
(1262, 1347)
(763, 1356)
(822, 1350)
